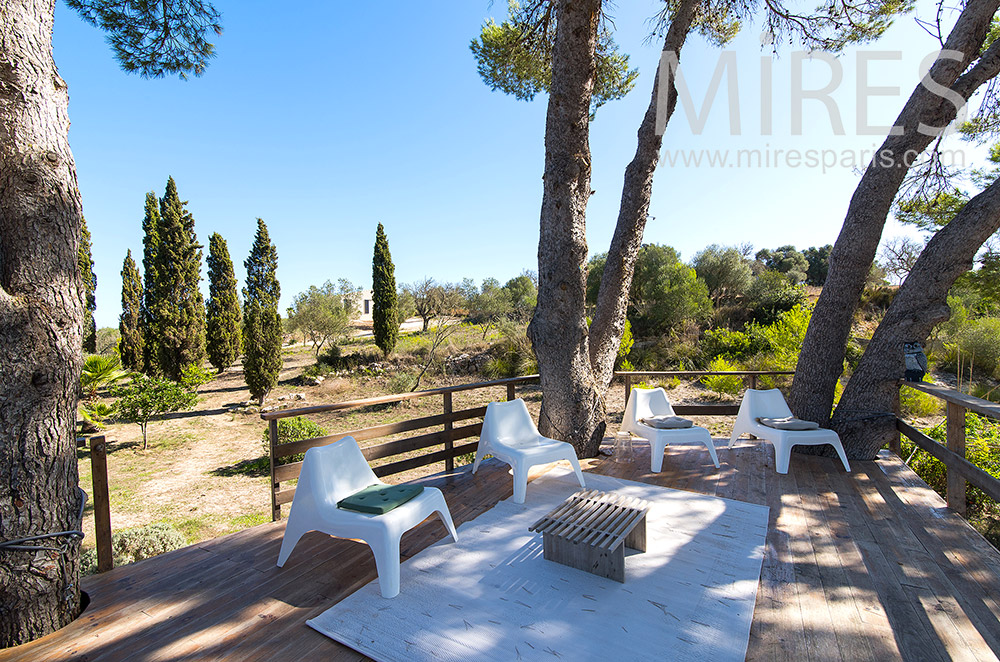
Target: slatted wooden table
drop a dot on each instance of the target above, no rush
(591, 529)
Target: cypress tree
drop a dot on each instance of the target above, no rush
(149, 320)
(130, 345)
(384, 298)
(181, 308)
(261, 322)
(89, 280)
(223, 333)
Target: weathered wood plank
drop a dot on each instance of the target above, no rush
(978, 405)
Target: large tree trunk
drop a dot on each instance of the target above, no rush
(612, 299)
(822, 358)
(864, 418)
(573, 406)
(41, 314)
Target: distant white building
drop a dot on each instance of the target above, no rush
(365, 305)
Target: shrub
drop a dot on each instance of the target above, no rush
(512, 356)
(292, 429)
(723, 384)
(193, 376)
(916, 404)
(134, 545)
(401, 382)
(979, 343)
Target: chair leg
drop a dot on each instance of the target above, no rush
(480, 453)
(386, 551)
(843, 456)
(576, 469)
(782, 456)
(656, 451)
(711, 451)
(445, 516)
(520, 483)
(293, 533)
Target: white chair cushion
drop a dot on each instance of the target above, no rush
(788, 423)
(667, 422)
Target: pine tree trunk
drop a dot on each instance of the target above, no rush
(920, 304)
(821, 360)
(573, 406)
(612, 299)
(41, 315)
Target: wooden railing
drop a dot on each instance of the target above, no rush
(447, 435)
(959, 469)
(750, 378)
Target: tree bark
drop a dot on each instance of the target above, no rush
(573, 407)
(612, 299)
(821, 360)
(920, 303)
(41, 316)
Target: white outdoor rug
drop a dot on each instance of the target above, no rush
(492, 596)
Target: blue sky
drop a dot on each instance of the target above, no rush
(325, 119)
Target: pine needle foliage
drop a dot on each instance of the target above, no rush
(223, 332)
(180, 306)
(384, 298)
(130, 345)
(149, 320)
(261, 321)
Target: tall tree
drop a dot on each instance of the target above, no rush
(261, 321)
(130, 345)
(576, 368)
(178, 270)
(321, 314)
(925, 114)
(152, 299)
(384, 298)
(41, 296)
(89, 280)
(223, 333)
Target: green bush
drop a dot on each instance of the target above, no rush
(733, 345)
(723, 384)
(401, 382)
(193, 376)
(292, 429)
(513, 356)
(134, 545)
(917, 404)
(979, 344)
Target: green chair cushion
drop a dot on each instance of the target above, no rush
(380, 499)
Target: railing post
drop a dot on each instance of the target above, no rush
(956, 443)
(753, 382)
(449, 443)
(272, 436)
(628, 388)
(510, 392)
(102, 502)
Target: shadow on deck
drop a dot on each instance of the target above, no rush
(863, 566)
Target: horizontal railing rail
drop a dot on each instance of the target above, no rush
(445, 436)
(952, 454)
(750, 378)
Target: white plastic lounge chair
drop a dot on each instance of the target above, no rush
(332, 473)
(510, 435)
(646, 403)
(771, 404)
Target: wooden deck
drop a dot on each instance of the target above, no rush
(862, 566)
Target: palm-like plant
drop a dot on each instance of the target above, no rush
(100, 370)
